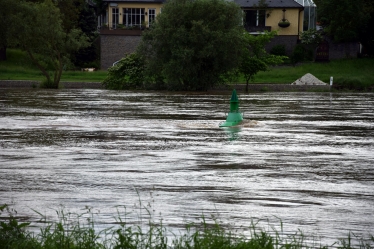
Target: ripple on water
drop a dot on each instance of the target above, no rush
(303, 158)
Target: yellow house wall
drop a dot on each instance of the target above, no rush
(121, 6)
(294, 16)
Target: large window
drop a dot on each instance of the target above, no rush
(133, 16)
(310, 14)
(254, 18)
(115, 17)
(151, 15)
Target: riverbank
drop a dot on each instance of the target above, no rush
(71, 230)
(238, 87)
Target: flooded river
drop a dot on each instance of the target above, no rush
(306, 159)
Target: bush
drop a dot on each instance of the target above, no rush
(47, 84)
(128, 73)
(279, 49)
(298, 54)
(349, 84)
(301, 53)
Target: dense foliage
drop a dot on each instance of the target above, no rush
(50, 32)
(88, 56)
(193, 43)
(8, 10)
(128, 73)
(41, 34)
(254, 57)
(346, 20)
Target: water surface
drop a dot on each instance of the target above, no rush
(303, 158)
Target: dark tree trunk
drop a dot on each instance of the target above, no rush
(3, 53)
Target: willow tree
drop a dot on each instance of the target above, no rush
(42, 35)
(193, 43)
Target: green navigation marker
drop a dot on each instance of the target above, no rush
(235, 117)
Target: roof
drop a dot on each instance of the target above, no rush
(134, 1)
(270, 3)
(241, 3)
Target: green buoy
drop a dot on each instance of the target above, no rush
(235, 117)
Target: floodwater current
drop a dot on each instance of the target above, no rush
(305, 159)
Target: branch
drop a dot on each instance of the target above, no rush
(37, 64)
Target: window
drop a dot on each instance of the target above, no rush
(133, 16)
(254, 18)
(115, 17)
(151, 15)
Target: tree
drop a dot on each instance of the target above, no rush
(193, 43)
(254, 56)
(8, 10)
(87, 56)
(70, 11)
(42, 36)
(346, 20)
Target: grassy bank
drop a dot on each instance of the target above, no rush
(19, 67)
(71, 231)
(358, 69)
(348, 71)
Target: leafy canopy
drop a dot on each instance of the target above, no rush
(8, 11)
(126, 74)
(254, 56)
(347, 20)
(41, 34)
(193, 43)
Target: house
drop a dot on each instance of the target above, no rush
(120, 30)
(284, 16)
(132, 13)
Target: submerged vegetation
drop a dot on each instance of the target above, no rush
(72, 231)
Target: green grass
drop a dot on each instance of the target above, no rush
(19, 67)
(359, 69)
(73, 231)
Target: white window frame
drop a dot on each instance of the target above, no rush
(130, 13)
(151, 17)
(115, 17)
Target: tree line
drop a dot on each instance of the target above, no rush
(193, 45)
(198, 44)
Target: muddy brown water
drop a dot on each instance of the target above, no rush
(306, 159)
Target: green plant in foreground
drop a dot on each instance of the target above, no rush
(13, 234)
(73, 231)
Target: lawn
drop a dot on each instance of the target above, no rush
(19, 67)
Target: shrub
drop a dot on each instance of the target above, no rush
(47, 84)
(341, 83)
(279, 49)
(297, 54)
(128, 73)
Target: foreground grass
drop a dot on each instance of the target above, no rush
(72, 231)
(19, 67)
